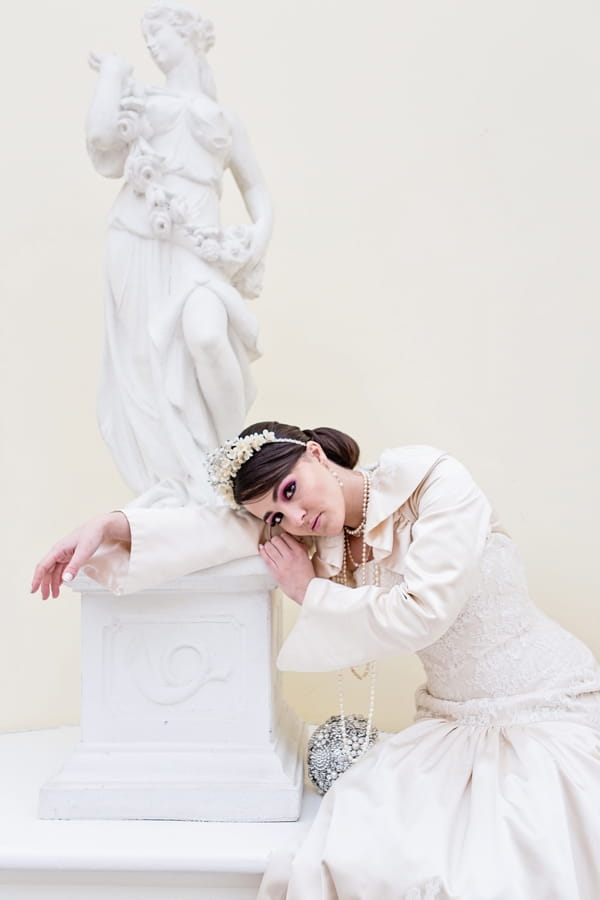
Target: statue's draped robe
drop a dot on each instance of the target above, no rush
(151, 409)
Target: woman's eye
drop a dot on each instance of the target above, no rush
(287, 493)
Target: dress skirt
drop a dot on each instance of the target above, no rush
(457, 812)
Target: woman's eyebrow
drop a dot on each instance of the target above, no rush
(275, 493)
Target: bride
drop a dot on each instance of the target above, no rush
(494, 792)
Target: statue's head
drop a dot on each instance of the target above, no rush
(171, 29)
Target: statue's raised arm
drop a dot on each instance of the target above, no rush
(175, 378)
(107, 142)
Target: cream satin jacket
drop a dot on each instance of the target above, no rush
(427, 523)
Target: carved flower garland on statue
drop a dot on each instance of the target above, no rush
(228, 248)
(144, 167)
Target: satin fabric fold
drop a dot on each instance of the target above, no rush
(456, 813)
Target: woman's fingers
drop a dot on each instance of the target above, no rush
(56, 579)
(45, 583)
(276, 549)
(84, 549)
(291, 543)
(270, 554)
(288, 561)
(273, 549)
(282, 550)
(286, 543)
(49, 575)
(65, 559)
(44, 570)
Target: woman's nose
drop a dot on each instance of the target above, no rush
(299, 515)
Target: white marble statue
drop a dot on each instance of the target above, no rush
(175, 378)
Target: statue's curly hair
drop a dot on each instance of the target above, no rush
(188, 23)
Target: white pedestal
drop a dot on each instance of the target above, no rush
(182, 716)
(127, 860)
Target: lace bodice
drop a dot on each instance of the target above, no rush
(503, 659)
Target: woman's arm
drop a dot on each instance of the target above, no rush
(340, 626)
(169, 543)
(134, 549)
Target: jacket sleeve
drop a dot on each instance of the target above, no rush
(340, 626)
(168, 543)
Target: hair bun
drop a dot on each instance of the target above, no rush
(339, 447)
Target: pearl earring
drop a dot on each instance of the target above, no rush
(336, 476)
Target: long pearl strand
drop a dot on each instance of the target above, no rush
(360, 528)
(370, 668)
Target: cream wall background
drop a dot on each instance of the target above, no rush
(433, 278)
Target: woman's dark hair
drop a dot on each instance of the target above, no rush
(268, 466)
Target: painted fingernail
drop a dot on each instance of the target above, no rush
(67, 576)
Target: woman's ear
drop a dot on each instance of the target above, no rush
(315, 451)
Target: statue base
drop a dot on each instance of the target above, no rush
(182, 715)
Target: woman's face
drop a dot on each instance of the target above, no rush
(166, 46)
(308, 501)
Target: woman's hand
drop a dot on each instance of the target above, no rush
(64, 560)
(289, 564)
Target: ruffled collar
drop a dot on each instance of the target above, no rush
(394, 478)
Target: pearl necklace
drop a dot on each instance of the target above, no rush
(356, 751)
(360, 528)
(356, 532)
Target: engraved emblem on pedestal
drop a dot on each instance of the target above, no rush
(185, 668)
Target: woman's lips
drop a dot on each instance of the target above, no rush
(315, 524)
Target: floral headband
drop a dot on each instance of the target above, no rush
(224, 463)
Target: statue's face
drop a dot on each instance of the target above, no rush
(166, 46)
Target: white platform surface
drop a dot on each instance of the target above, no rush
(133, 860)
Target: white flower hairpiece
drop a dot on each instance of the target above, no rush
(224, 463)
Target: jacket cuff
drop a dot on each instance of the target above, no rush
(319, 642)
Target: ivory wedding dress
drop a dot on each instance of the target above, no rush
(494, 792)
